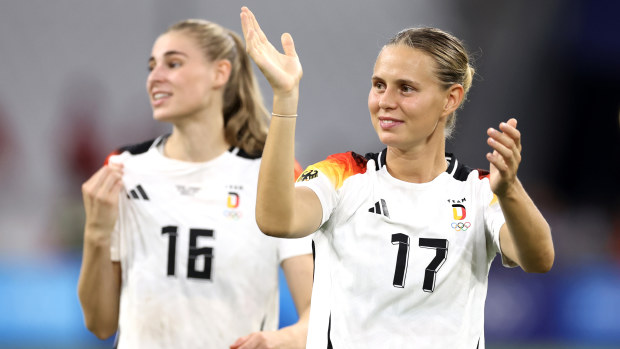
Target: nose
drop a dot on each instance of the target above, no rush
(387, 100)
(155, 75)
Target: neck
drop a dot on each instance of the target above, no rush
(197, 139)
(418, 165)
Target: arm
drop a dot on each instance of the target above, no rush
(281, 209)
(526, 236)
(299, 276)
(298, 271)
(100, 279)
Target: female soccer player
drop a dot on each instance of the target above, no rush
(172, 254)
(405, 237)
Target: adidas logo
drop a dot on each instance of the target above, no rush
(380, 208)
(138, 193)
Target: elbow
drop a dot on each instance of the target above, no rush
(273, 229)
(542, 265)
(101, 331)
(101, 325)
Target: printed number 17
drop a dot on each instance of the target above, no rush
(400, 274)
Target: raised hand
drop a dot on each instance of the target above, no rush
(506, 156)
(283, 71)
(100, 194)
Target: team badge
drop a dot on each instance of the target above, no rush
(308, 175)
(233, 200)
(232, 203)
(459, 213)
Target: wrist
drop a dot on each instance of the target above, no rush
(511, 191)
(97, 236)
(285, 102)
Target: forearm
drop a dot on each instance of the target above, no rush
(529, 232)
(99, 286)
(296, 335)
(276, 190)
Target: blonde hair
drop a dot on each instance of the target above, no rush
(453, 63)
(245, 115)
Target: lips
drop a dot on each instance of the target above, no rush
(388, 123)
(158, 98)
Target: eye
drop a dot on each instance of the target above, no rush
(378, 85)
(174, 64)
(407, 88)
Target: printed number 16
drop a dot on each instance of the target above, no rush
(402, 240)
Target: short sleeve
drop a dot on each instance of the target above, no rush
(325, 178)
(320, 184)
(494, 220)
(288, 248)
(115, 237)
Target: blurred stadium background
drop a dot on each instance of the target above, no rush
(72, 89)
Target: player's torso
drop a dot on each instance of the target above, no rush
(191, 250)
(404, 254)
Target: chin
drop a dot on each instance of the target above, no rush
(387, 139)
(160, 115)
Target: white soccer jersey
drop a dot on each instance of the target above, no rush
(196, 270)
(398, 264)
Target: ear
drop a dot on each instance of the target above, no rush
(222, 70)
(454, 97)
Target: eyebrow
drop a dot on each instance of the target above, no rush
(398, 81)
(169, 53)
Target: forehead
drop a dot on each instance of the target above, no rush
(175, 41)
(404, 62)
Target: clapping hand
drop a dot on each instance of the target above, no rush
(506, 156)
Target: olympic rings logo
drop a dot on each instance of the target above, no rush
(234, 215)
(460, 226)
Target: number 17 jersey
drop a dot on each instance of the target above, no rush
(399, 264)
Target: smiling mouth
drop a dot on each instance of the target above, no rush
(388, 123)
(160, 95)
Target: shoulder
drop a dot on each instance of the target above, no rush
(339, 167)
(137, 148)
(243, 155)
(348, 163)
(462, 172)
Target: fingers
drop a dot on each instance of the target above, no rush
(242, 343)
(256, 340)
(506, 145)
(105, 184)
(507, 137)
(497, 161)
(238, 342)
(250, 25)
(113, 179)
(510, 129)
(288, 45)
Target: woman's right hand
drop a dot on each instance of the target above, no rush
(100, 193)
(283, 71)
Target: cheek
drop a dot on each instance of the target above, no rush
(195, 88)
(373, 101)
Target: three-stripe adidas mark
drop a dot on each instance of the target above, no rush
(380, 208)
(137, 193)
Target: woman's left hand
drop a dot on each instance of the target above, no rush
(506, 156)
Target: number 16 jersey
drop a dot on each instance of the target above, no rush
(399, 264)
(196, 270)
